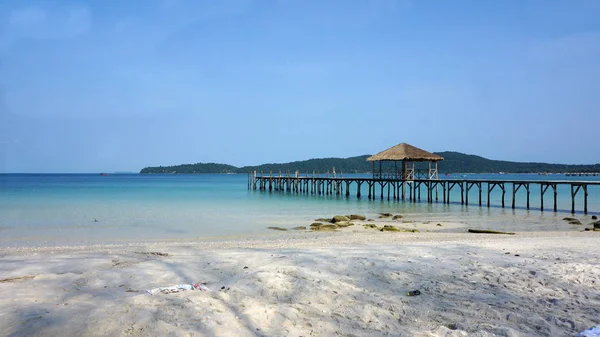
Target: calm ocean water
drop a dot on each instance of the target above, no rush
(49, 209)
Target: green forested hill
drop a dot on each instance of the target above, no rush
(192, 168)
(454, 162)
(349, 165)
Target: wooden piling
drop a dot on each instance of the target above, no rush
(339, 186)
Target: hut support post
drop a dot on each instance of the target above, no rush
(388, 190)
(555, 195)
(490, 189)
(503, 192)
(527, 189)
(585, 197)
(574, 191)
(467, 193)
(515, 189)
(450, 185)
(444, 192)
(543, 189)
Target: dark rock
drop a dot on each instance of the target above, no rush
(339, 218)
(594, 217)
(385, 215)
(487, 231)
(357, 217)
(439, 225)
(397, 217)
(574, 222)
(300, 228)
(370, 226)
(327, 227)
(569, 219)
(323, 220)
(316, 224)
(278, 228)
(389, 228)
(370, 220)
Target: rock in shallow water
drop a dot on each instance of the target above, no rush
(323, 228)
(389, 228)
(357, 217)
(339, 218)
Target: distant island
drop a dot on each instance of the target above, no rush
(454, 162)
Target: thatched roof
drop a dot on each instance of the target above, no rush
(405, 151)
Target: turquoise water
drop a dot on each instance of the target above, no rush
(79, 209)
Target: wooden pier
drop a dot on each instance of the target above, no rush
(411, 190)
(396, 177)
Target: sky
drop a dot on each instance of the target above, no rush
(104, 86)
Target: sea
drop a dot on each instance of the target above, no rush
(83, 209)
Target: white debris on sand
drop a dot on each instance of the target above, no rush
(315, 284)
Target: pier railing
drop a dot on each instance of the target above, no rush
(410, 190)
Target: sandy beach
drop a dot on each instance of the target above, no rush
(350, 283)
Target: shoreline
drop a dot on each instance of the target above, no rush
(293, 238)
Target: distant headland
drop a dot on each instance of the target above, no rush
(454, 162)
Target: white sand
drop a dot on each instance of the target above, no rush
(310, 284)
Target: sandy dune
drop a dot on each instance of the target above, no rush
(310, 284)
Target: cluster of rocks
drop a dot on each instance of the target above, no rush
(342, 221)
(595, 225)
(338, 221)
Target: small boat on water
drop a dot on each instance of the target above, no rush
(103, 174)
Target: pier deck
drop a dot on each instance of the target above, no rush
(403, 190)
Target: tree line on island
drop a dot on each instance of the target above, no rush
(454, 162)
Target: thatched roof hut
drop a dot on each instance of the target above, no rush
(405, 152)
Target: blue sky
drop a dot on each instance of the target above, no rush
(90, 86)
